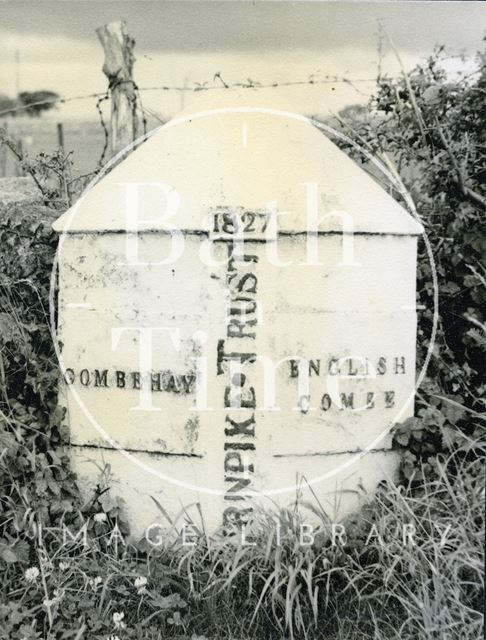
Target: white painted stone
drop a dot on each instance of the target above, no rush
(337, 496)
(176, 452)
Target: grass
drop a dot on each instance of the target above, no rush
(369, 588)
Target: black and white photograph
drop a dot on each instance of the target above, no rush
(242, 319)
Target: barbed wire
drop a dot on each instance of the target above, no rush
(59, 99)
(104, 127)
(198, 86)
(254, 84)
(249, 83)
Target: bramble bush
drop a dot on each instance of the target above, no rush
(428, 129)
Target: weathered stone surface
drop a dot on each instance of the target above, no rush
(337, 496)
(350, 319)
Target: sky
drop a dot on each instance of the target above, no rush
(183, 43)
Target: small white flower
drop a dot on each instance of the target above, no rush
(175, 619)
(58, 594)
(95, 582)
(64, 566)
(99, 517)
(51, 602)
(140, 584)
(31, 574)
(118, 620)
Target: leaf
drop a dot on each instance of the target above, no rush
(107, 502)
(402, 438)
(9, 555)
(173, 601)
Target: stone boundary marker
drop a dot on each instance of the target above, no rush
(237, 319)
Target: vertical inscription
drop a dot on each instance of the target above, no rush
(235, 351)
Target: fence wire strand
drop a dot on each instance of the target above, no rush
(197, 86)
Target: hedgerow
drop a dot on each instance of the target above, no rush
(428, 131)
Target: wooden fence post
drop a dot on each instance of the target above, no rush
(118, 65)
(60, 136)
(3, 151)
(19, 172)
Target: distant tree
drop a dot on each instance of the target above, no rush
(6, 104)
(37, 101)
